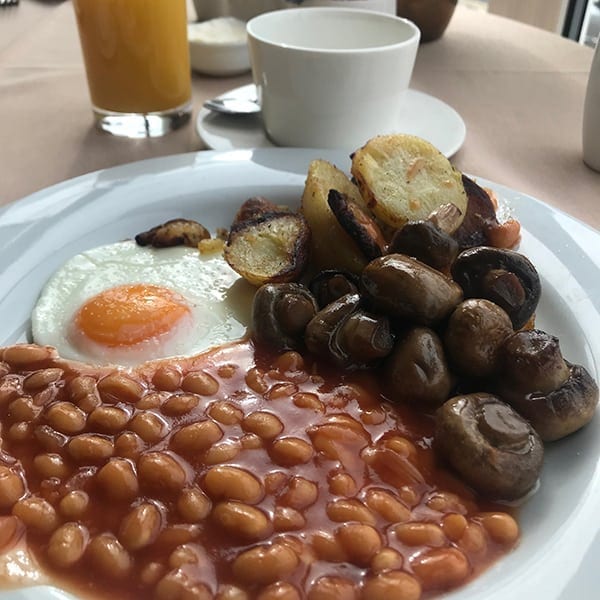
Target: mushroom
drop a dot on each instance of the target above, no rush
(331, 284)
(426, 242)
(446, 217)
(493, 448)
(475, 331)
(348, 336)
(555, 396)
(403, 287)
(280, 313)
(479, 217)
(416, 371)
(503, 276)
(176, 232)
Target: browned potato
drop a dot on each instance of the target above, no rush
(176, 232)
(271, 249)
(256, 207)
(405, 178)
(332, 247)
(358, 224)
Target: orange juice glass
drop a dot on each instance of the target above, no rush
(137, 64)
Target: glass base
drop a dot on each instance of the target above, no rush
(142, 125)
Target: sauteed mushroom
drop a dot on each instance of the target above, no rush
(348, 336)
(556, 397)
(176, 232)
(446, 217)
(280, 312)
(426, 242)
(490, 445)
(476, 330)
(503, 276)
(403, 287)
(480, 215)
(416, 371)
(332, 284)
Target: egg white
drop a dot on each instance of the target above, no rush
(218, 299)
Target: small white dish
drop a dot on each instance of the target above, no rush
(420, 114)
(241, 9)
(218, 47)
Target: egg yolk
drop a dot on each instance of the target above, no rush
(129, 314)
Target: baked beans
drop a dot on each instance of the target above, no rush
(333, 588)
(196, 437)
(118, 479)
(360, 542)
(12, 487)
(242, 520)
(387, 559)
(265, 564)
(392, 584)
(279, 591)
(193, 505)
(108, 419)
(107, 556)
(74, 504)
(167, 379)
(67, 545)
(140, 527)
(441, 567)
(288, 519)
(233, 475)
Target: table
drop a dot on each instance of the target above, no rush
(519, 89)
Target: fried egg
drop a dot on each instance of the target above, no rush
(122, 304)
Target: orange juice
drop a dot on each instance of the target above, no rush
(136, 53)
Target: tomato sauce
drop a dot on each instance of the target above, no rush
(234, 474)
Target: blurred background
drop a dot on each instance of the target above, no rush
(578, 20)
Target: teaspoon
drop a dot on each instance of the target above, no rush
(233, 106)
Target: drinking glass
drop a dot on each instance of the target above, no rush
(137, 64)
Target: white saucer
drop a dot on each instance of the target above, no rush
(421, 115)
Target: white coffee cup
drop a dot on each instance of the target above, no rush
(330, 77)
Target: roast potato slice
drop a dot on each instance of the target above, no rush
(405, 178)
(256, 207)
(271, 249)
(358, 224)
(331, 246)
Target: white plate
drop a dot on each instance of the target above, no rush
(421, 115)
(559, 553)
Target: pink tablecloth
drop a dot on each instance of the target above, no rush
(519, 89)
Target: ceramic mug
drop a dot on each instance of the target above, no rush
(330, 77)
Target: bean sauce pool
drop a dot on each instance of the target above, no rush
(233, 475)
